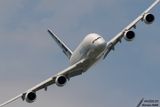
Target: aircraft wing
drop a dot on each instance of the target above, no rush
(11, 100)
(71, 71)
(111, 44)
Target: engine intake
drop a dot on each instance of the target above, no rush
(61, 80)
(129, 35)
(148, 18)
(30, 97)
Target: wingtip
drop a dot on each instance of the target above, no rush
(48, 30)
(11, 100)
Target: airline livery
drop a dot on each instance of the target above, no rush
(90, 50)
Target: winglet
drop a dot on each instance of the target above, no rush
(61, 44)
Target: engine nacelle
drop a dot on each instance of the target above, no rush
(30, 97)
(61, 80)
(129, 35)
(148, 18)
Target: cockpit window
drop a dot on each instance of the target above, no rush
(96, 39)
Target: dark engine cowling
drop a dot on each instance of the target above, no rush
(129, 35)
(61, 80)
(30, 97)
(148, 18)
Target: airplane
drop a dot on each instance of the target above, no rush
(92, 48)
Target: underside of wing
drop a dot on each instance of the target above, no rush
(127, 33)
(71, 71)
(60, 80)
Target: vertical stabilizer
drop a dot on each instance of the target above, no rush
(61, 44)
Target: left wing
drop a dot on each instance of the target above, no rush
(145, 16)
(11, 100)
(30, 95)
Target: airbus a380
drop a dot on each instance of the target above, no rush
(90, 50)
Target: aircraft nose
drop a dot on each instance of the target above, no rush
(100, 43)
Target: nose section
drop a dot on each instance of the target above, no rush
(100, 43)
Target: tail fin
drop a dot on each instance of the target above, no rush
(61, 44)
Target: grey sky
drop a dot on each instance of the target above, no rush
(29, 55)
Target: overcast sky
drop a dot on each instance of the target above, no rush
(28, 55)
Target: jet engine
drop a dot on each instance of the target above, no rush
(30, 97)
(61, 80)
(129, 35)
(148, 18)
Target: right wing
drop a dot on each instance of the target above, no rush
(111, 44)
(61, 44)
(71, 71)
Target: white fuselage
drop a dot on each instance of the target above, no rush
(90, 49)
